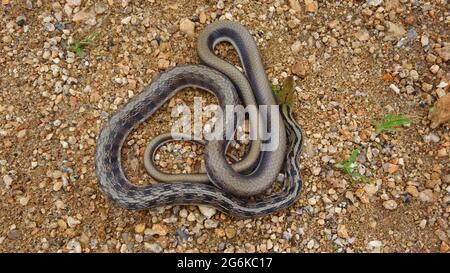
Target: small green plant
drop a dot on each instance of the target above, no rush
(78, 45)
(348, 166)
(285, 94)
(389, 122)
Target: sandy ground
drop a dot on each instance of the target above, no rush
(353, 61)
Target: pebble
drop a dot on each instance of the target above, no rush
(434, 69)
(72, 222)
(362, 35)
(444, 52)
(14, 234)
(311, 6)
(295, 5)
(187, 27)
(342, 231)
(153, 247)
(7, 179)
(207, 211)
(424, 40)
(431, 137)
(74, 246)
(394, 31)
(394, 88)
(139, 228)
(20, 20)
(230, 233)
(24, 200)
(390, 168)
(440, 112)
(374, 3)
(412, 190)
(163, 64)
(311, 244)
(299, 70)
(426, 195)
(22, 133)
(209, 223)
(158, 229)
(374, 246)
(390, 204)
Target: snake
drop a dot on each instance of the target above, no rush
(232, 192)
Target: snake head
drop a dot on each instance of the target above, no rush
(285, 95)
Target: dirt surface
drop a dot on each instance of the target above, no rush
(353, 61)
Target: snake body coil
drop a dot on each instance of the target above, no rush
(230, 188)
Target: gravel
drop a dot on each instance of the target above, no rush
(353, 63)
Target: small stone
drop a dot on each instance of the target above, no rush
(374, 3)
(390, 168)
(442, 152)
(444, 52)
(424, 40)
(7, 39)
(20, 20)
(163, 63)
(394, 88)
(7, 180)
(158, 229)
(49, 26)
(375, 246)
(423, 223)
(209, 223)
(409, 20)
(311, 5)
(362, 195)
(431, 137)
(434, 69)
(390, 204)
(126, 20)
(73, 3)
(230, 233)
(191, 217)
(362, 35)
(62, 224)
(412, 190)
(427, 87)
(187, 27)
(342, 231)
(444, 247)
(426, 196)
(296, 46)
(154, 248)
(72, 222)
(202, 17)
(299, 70)
(220, 4)
(295, 5)
(371, 189)
(440, 112)
(24, 200)
(394, 32)
(310, 244)
(100, 8)
(139, 228)
(22, 133)
(57, 186)
(87, 16)
(207, 211)
(74, 246)
(14, 234)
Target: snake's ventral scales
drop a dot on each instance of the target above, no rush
(237, 189)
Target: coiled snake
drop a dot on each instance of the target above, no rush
(231, 186)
